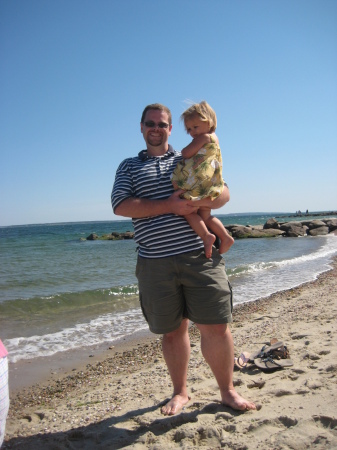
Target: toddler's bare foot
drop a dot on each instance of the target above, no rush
(208, 244)
(175, 405)
(226, 244)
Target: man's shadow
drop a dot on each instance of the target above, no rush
(107, 435)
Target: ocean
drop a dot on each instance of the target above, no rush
(59, 291)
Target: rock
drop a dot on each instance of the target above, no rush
(271, 223)
(92, 237)
(321, 231)
(272, 228)
(126, 235)
(294, 229)
(331, 223)
(241, 232)
(256, 227)
(230, 227)
(313, 223)
(111, 237)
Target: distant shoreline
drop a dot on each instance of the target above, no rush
(118, 219)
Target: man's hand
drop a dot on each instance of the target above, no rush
(180, 206)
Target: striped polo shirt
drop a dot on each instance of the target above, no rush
(150, 177)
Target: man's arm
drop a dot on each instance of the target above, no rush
(138, 208)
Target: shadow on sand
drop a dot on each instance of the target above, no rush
(109, 434)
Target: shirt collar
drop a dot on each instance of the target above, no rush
(143, 156)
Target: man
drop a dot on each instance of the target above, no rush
(177, 283)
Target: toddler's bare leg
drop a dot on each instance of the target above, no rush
(200, 228)
(215, 225)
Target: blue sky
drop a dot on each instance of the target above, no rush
(76, 74)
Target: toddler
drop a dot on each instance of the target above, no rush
(199, 174)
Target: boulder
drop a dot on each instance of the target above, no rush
(331, 223)
(313, 223)
(114, 236)
(321, 231)
(271, 232)
(230, 227)
(118, 236)
(242, 232)
(294, 229)
(92, 237)
(271, 223)
(127, 235)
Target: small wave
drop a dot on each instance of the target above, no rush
(69, 301)
(123, 290)
(286, 274)
(106, 328)
(329, 248)
(250, 268)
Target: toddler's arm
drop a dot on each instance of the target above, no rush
(197, 143)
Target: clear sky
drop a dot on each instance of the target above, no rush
(76, 74)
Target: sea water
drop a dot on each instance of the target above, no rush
(59, 291)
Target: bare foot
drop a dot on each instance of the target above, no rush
(226, 244)
(208, 243)
(234, 400)
(175, 405)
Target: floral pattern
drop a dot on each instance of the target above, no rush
(201, 175)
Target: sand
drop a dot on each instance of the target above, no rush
(114, 401)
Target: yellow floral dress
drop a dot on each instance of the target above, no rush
(201, 175)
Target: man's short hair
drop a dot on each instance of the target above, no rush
(158, 107)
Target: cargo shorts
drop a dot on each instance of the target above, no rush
(187, 285)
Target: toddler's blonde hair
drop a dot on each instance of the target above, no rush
(203, 111)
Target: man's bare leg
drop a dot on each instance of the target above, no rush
(176, 351)
(218, 350)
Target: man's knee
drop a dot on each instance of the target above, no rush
(213, 330)
(183, 329)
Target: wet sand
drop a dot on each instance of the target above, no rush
(112, 400)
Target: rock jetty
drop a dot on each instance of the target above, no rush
(114, 236)
(272, 228)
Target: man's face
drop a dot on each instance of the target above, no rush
(154, 128)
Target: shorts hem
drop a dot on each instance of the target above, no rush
(165, 331)
(217, 321)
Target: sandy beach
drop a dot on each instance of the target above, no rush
(114, 400)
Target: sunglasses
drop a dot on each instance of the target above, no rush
(151, 124)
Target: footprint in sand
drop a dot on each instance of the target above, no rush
(326, 421)
(313, 384)
(35, 417)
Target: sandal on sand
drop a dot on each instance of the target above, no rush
(268, 363)
(242, 361)
(265, 350)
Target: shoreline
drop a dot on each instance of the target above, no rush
(113, 401)
(43, 370)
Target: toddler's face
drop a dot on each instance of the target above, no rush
(195, 126)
